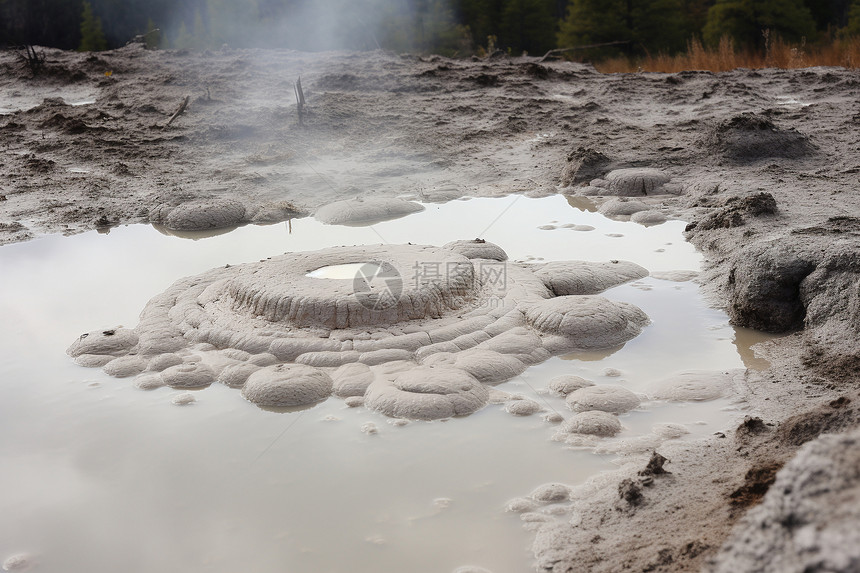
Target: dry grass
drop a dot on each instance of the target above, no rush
(777, 54)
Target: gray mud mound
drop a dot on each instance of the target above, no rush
(410, 348)
(809, 278)
(809, 520)
(694, 386)
(605, 398)
(285, 385)
(764, 285)
(365, 211)
(591, 422)
(200, 215)
(477, 249)
(587, 322)
(749, 137)
(622, 208)
(737, 211)
(635, 182)
(581, 277)
(427, 393)
(584, 164)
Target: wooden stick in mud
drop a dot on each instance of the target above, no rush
(300, 100)
(179, 111)
(558, 51)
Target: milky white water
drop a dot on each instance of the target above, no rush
(98, 476)
(345, 272)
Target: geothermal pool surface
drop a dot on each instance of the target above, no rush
(345, 272)
(101, 476)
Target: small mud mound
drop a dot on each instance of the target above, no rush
(794, 281)
(606, 398)
(417, 332)
(592, 423)
(200, 215)
(749, 137)
(365, 211)
(695, 386)
(583, 165)
(736, 211)
(579, 277)
(764, 286)
(633, 182)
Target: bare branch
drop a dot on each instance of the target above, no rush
(559, 51)
(179, 111)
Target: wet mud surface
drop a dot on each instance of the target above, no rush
(764, 165)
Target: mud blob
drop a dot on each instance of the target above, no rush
(426, 393)
(606, 398)
(523, 407)
(365, 211)
(580, 277)
(200, 215)
(622, 208)
(551, 493)
(287, 385)
(17, 562)
(567, 383)
(635, 182)
(592, 423)
(421, 337)
(695, 386)
(749, 137)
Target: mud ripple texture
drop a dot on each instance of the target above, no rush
(411, 344)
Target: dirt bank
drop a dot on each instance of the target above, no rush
(764, 164)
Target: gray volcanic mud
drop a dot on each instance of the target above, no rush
(763, 164)
(156, 460)
(427, 344)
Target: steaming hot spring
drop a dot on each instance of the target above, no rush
(419, 332)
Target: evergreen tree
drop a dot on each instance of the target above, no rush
(852, 29)
(152, 36)
(184, 40)
(201, 36)
(528, 25)
(483, 17)
(829, 13)
(647, 25)
(232, 23)
(695, 15)
(746, 20)
(92, 35)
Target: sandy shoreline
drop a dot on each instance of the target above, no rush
(764, 164)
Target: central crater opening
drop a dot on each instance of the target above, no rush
(348, 271)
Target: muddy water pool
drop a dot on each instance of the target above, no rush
(100, 476)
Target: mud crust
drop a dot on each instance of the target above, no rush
(769, 183)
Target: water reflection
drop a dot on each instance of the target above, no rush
(193, 235)
(99, 476)
(581, 203)
(745, 339)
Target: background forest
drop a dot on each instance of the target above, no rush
(450, 27)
